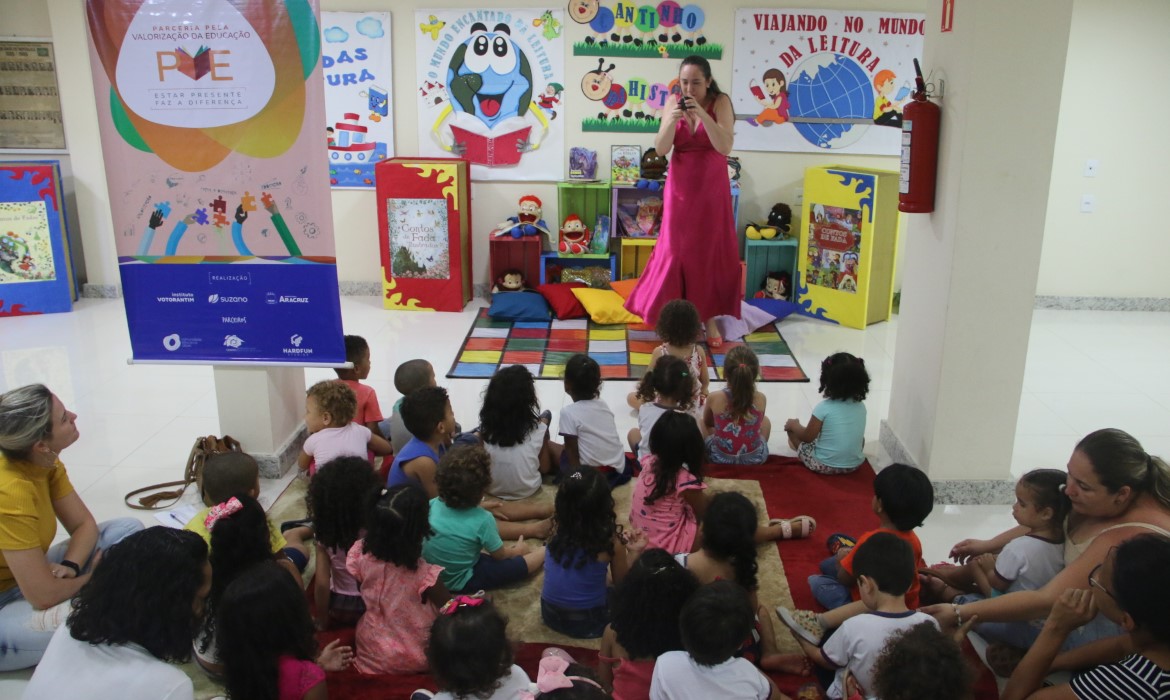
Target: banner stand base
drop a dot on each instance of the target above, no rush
(263, 408)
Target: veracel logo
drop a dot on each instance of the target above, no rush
(233, 341)
(296, 340)
(172, 342)
(213, 299)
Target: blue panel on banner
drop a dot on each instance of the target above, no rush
(238, 312)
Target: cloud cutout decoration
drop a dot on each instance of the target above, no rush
(371, 27)
(336, 35)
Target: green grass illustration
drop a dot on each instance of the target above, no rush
(619, 50)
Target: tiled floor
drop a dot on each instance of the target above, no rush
(1085, 370)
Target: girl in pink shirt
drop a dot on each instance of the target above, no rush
(668, 499)
(401, 590)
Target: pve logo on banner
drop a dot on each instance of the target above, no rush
(195, 67)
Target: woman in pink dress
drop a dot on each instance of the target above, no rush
(697, 257)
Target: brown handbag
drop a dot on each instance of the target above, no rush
(203, 448)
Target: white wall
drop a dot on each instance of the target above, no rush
(1114, 108)
(767, 177)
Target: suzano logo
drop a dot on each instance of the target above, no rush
(296, 340)
(213, 299)
(172, 342)
(232, 341)
(217, 299)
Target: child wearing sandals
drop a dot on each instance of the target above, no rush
(588, 425)
(401, 591)
(737, 429)
(586, 548)
(465, 540)
(902, 499)
(680, 330)
(668, 386)
(728, 553)
(644, 614)
(832, 441)
(336, 499)
(713, 624)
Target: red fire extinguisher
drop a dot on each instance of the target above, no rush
(920, 122)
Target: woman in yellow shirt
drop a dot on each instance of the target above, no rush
(36, 578)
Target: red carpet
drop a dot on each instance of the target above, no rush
(839, 504)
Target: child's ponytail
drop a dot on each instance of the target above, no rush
(672, 379)
(740, 368)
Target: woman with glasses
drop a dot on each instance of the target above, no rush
(1129, 588)
(1118, 492)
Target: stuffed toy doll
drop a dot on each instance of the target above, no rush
(779, 223)
(527, 222)
(510, 281)
(777, 285)
(653, 171)
(574, 236)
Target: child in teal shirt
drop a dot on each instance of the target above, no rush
(832, 441)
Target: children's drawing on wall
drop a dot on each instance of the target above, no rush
(822, 80)
(490, 87)
(359, 119)
(631, 106)
(632, 30)
(834, 248)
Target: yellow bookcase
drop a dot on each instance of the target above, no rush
(847, 244)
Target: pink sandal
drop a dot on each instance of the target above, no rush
(805, 527)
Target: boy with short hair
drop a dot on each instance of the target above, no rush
(410, 376)
(884, 568)
(428, 415)
(230, 473)
(903, 498)
(713, 624)
(368, 412)
(329, 411)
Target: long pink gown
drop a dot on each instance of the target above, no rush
(697, 255)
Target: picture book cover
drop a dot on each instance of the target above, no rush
(625, 164)
(582, 164)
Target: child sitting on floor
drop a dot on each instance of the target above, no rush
(903, 498)
(667, 387)
(884, 566)
(515, 433)
(728, 553)
(410, 376)
(644, 616)
(229, 473)
(268, 645)
(737, 429)
(336, 499)
(329, 411)
(588, 425)
(400, 589)
(463, 531)
(713, 623)
(430, 419)
(369, 412)
(681, 331)
(469, 654)
(832, 441)
(920, 662)
(668, 500)
(585, 547)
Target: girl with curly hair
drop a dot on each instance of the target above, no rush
(132, 620)
(466, 541)
(336, 499)
(667, 387)
(668, 500)
(586, 546)
(469, 654)
(515, 433)
(267, 639)
(831, 442)
(644, 622)
(401, 590)
(681, 334)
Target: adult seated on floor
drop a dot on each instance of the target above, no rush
(34, 493)
(1129, 588)
(131, 623)
(1118, 492)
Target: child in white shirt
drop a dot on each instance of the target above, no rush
(588, 425)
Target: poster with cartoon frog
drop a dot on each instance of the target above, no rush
(496, 67)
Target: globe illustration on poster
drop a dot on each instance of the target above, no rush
(830, 100)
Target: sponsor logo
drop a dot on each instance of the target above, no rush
(289, 299)
(296, 340)
(232, 341)
(172, 342)
(298, 351)
(177, 298)
(217, 299)
(234, 319)
(270, 298)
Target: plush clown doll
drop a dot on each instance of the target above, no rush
(574, 236)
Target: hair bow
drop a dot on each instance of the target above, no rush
(231, 505)
(462, 601)
(551, 676)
